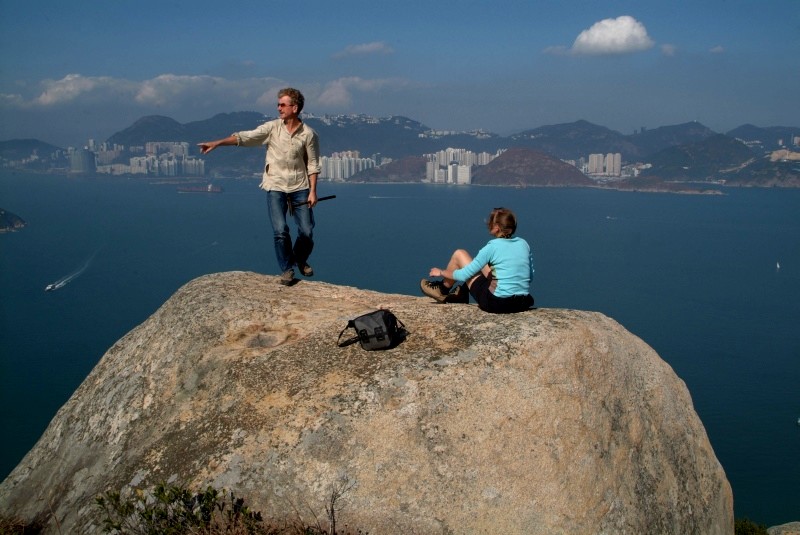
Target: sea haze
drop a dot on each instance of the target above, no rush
(694, 276)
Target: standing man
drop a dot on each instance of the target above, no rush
(290, 178)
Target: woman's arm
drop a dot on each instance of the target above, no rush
(475, 266)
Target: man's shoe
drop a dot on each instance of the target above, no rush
(459, 295)
(434, 289)
(287, 277)
(306, 270)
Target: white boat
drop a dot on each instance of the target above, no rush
(55, 285)
(777, 265)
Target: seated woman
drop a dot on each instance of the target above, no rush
(499, 277)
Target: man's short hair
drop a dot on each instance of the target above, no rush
(297, 97)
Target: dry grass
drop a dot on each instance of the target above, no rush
(17, 526)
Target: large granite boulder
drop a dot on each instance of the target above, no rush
(791, 528)
(548, 421)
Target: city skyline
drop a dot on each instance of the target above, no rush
(71, 72)
(452, 165)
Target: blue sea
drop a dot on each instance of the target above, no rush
(694, 276)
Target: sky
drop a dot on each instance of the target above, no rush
(74, 70)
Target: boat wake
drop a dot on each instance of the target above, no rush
(63, 281)
(205, 247)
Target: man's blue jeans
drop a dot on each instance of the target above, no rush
(278, 203)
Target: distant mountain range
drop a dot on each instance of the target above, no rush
(683, 152)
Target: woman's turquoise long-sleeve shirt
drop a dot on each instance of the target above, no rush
(511, 262)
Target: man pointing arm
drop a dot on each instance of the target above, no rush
(290, 178)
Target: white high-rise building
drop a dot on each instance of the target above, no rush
(596, 164)
(452, 173)
(464, 174)
(613, 163)
(139, 165)
(608, 165)
(339, 166)
(430, 170)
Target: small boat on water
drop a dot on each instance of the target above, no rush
(210, 188)
(55, 285)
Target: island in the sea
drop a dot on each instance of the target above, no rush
(10, 222)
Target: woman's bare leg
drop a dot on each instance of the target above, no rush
(458, 260)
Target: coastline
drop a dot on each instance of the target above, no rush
(709, 191)
(648, 185)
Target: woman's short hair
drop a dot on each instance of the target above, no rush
(297, 97)
(505, 220)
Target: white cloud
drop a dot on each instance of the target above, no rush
(269, 96)
(74, 86)
(717, 50)
(118, 100)
(669, 50)
(165, 90)
(375, 47)
(11, 100)
(339, 93)
(622, 35)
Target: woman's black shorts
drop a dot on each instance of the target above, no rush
(488, 302)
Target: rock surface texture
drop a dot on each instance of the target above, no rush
(545, 422)
(792, 528)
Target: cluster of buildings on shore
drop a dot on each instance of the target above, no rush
(173, 159)
(156, 158)
(608, 167)
(342, 165)
(454, 166)
(448, 166)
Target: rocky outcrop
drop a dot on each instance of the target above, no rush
(792, 528)
(529, 167)
(10, 222)
(548, 421)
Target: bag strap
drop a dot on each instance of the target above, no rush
(352, 325)
(349, 341)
